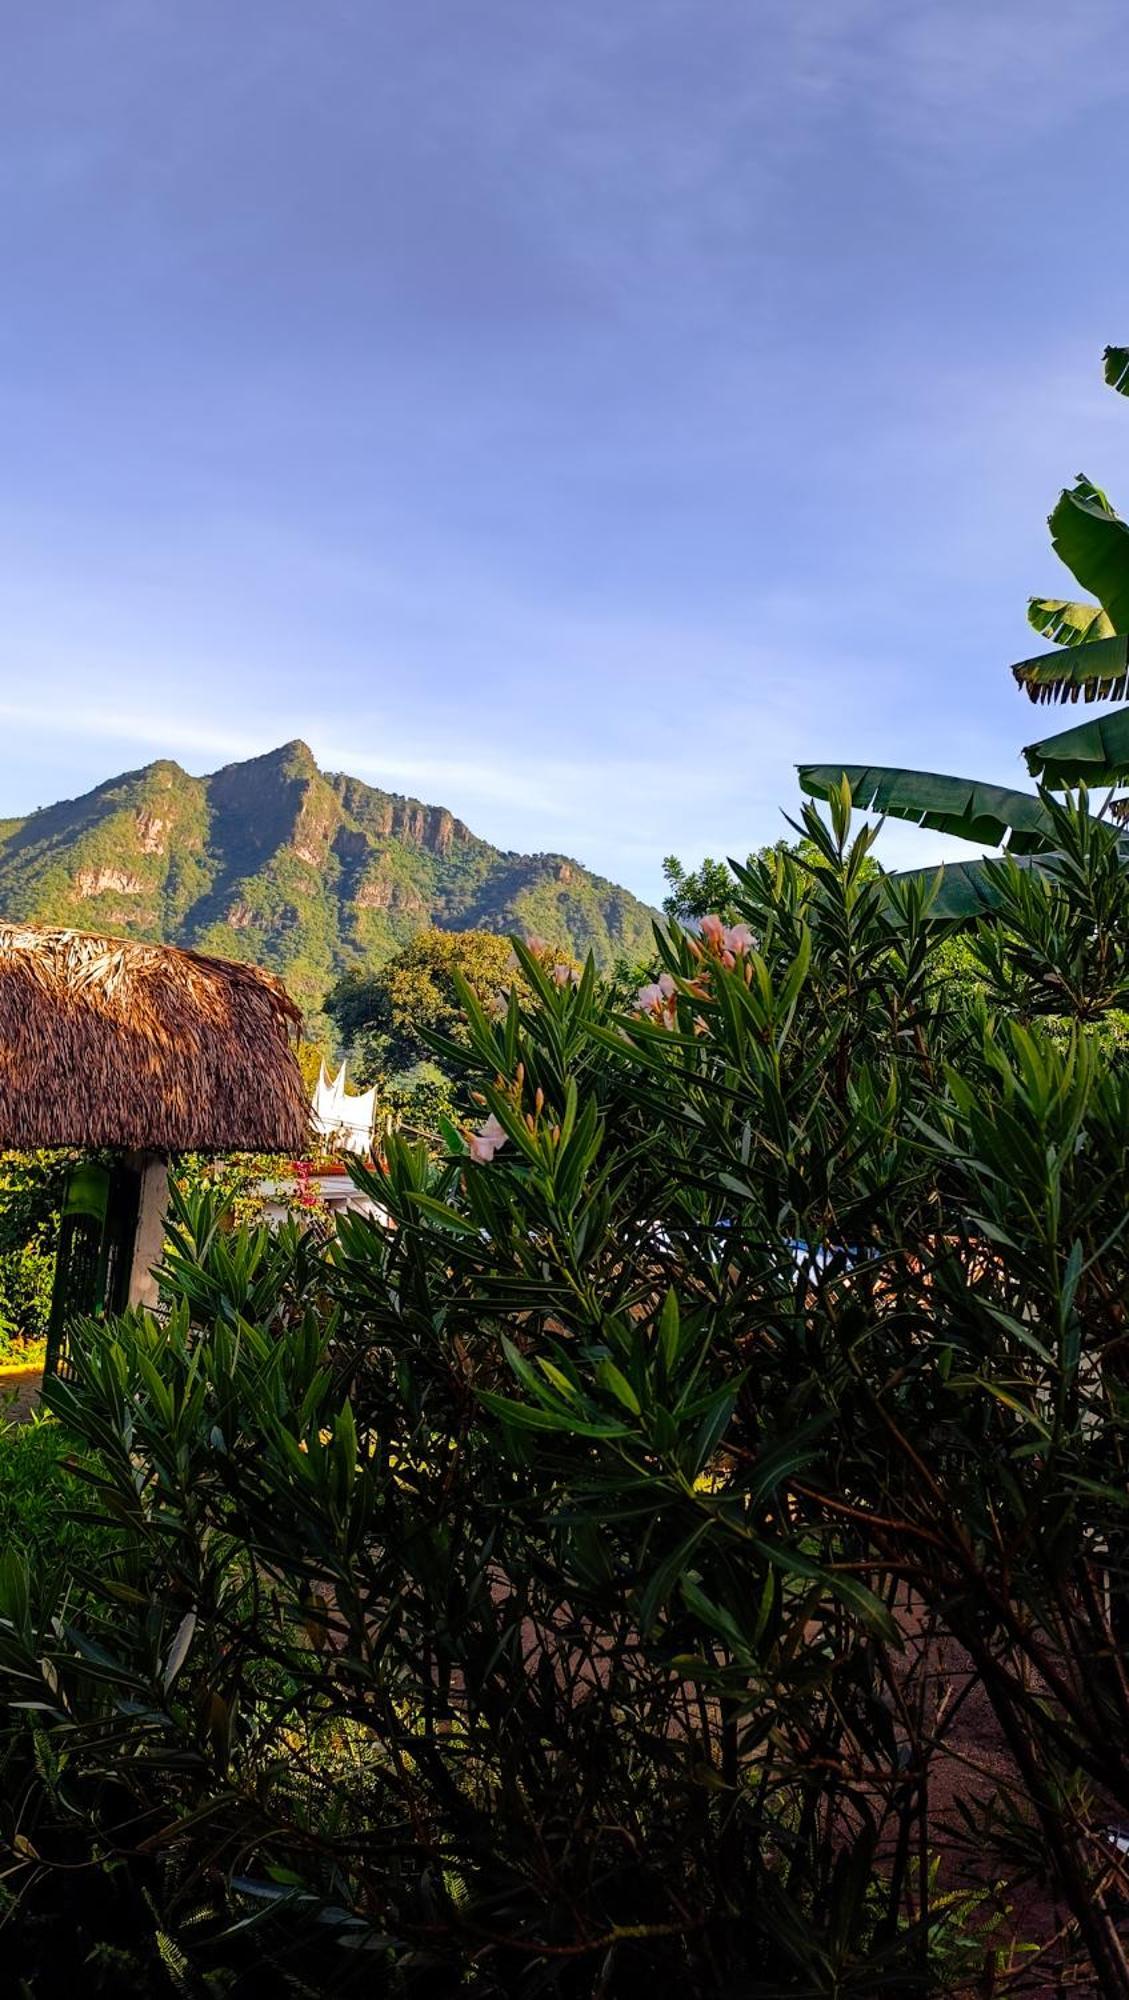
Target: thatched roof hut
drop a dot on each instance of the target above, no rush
(110, 1042)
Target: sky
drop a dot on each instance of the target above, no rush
(574, 415)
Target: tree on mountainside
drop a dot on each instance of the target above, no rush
(1092, 665)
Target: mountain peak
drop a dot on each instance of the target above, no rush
(291, 760)
(273, 862)
(296, 752)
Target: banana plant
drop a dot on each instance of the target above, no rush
(1092, 664)
(1090, 537)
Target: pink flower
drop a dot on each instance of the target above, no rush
(726, 943)
(483, 1144)
(536, 945)
(565, 975)
(658, 999)
(657, 994)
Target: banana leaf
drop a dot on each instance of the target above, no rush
(1067, 624)
(1094, 544)
(1117, 369)
(993, 815)
(1095, 753)
(1097, 671)
(964, 889)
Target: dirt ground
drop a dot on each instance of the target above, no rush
(19, 1393)
(969, 1768)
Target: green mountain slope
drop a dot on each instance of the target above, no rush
(307, 872)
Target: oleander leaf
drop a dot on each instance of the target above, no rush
(960, 891)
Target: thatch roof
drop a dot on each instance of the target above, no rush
(112, 1042)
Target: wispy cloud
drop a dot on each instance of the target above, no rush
(574, 417)
(960, 77)
(635, 797)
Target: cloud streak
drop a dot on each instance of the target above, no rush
(575, 419)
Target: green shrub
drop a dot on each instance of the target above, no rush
(536, 1597)
(31, 1188)
(43, 1503)
(26, 1277)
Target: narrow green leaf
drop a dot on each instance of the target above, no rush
(613, 1378)
(440, 1212)
(670, 1332)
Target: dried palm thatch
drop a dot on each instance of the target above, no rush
(112, 1042)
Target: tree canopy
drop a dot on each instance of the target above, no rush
(384, 1016)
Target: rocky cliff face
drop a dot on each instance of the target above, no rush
(304, 871)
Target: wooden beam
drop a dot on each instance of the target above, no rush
(149, 1236)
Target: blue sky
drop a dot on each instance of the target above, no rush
(574, 415)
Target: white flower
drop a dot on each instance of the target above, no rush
(483, 1144)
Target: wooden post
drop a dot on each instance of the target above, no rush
(149, 1236)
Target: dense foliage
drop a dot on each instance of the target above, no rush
(713, 887)
(583, 1586)
(44, 1505)
(385, 1016)
(394, 1022)
(31, 1192)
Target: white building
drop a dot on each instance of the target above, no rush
(344, 1118)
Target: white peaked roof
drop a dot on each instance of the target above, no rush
(343, 1117)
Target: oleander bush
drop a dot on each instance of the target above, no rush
(580, 1586)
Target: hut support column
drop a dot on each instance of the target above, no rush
(149, 1238)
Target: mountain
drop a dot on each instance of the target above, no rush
(305, 871)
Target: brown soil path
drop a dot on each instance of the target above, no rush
(19, 1393)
